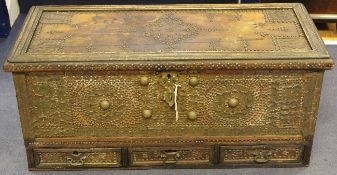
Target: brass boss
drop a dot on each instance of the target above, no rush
(233, 102)
(147, 113)
(144, 81)
(105, 104)
(194, 81)
(192, 115)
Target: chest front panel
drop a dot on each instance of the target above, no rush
(153, 104)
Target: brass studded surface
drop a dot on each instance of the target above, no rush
(158, 31)
(68, 105)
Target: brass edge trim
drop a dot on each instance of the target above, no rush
(173, 65)
(19, 80)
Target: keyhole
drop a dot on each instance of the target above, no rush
(169, 76)
(76, 153)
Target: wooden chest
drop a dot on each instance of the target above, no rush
(176, 86)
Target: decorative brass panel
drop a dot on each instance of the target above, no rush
(268, 30)
(170, 156)
(269, 103)
(77, 158)
(261, 154)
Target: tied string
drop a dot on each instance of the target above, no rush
(175, 100)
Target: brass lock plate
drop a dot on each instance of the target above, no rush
(169, 80)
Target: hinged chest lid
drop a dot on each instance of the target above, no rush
(270, 36)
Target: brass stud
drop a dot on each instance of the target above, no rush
(194, 81)
(233, 102)
(105, 104)
(192, 115)
(144, 81)
(147, 114)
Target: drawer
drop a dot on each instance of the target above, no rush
(77, 158)
(275, 154)
(170, 156)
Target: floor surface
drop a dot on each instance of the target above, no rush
(13, 156)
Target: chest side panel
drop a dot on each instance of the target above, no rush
(110, 104)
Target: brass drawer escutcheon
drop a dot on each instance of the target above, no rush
(76, 159)
(262, 156)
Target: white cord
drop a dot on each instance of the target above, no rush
(175, 101)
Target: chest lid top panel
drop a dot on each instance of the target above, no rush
(170, 32)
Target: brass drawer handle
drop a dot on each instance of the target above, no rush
(170, 157)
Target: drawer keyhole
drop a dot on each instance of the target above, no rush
(76, 153)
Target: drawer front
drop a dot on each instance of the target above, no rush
(153, 104)
(77, 158)
(261, 154)
(170, 156)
